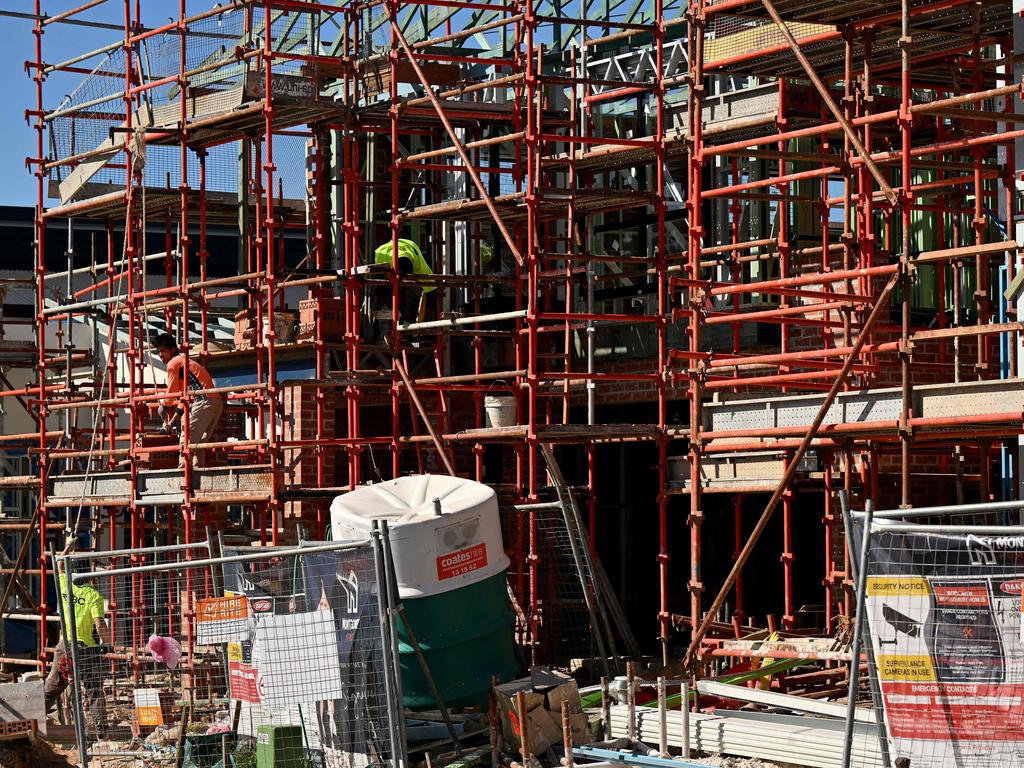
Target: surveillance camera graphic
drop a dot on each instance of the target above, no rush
(901, 623)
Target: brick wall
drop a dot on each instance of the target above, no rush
(299, 422)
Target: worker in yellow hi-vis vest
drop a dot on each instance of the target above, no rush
(412, 299)
(92, 638)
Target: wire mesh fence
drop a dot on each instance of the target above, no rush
(944, 638)
(564, 607)
(568, 632)
(550, 608)
(254, 655)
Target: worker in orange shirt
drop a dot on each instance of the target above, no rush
(205, 409)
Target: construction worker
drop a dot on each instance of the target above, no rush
(92, 638)
(412, 299)
(205, 410)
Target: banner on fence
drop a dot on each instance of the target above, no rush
(944, 616)
(314, 655)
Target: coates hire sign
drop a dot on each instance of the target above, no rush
(460, 563)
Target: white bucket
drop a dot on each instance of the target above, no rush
(500, 410)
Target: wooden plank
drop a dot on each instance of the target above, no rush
(967, 251)
(84, 171)
(968, 330)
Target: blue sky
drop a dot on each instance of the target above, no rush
(61, 41)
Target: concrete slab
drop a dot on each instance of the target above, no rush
(23, 701)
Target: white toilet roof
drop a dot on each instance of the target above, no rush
(410, 499)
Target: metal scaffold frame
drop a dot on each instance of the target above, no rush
(813, 210)
(878, 191)
(118, 392)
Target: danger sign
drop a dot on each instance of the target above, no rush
(462, 562)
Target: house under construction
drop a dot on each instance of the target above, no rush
(696, 265)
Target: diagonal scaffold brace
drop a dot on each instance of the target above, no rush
(880, 308)
(829, 102)
(442, 449)
(457, 143)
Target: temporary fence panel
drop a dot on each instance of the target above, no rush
(259, 654)
(943, 608)
(128, 639)
(316, 654)
(563, 628)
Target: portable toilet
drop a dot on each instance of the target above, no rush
(450, 567)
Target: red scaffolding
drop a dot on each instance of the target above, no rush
(794, 218)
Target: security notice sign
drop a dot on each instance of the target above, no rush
(944, 615)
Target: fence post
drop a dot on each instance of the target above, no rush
(876, 692)
(631, 701)
(70, 636)
(858, 625)
(217, 587)
(606, 712)
(395, 601)
(566, 735)
(392, 671)
(524, 728)
(494, 721)
(684, 717)
(179, 750)
(662, 719)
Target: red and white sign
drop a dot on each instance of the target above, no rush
(244, 681)
(968, 594)
(462, 562)
(1011, 587)
(954, 711)
(262, 605)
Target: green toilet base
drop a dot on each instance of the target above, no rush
(466, 638)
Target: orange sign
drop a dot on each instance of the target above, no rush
(462, 562)
(149, 716)
(222, 608)
(148, 711)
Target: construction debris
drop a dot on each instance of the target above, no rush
(816, 742)
(543, 693)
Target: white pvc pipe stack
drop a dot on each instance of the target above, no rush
(807, 741)
(783, 701)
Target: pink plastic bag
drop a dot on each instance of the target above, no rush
(165, 649)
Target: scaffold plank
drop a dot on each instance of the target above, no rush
(162, 487)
